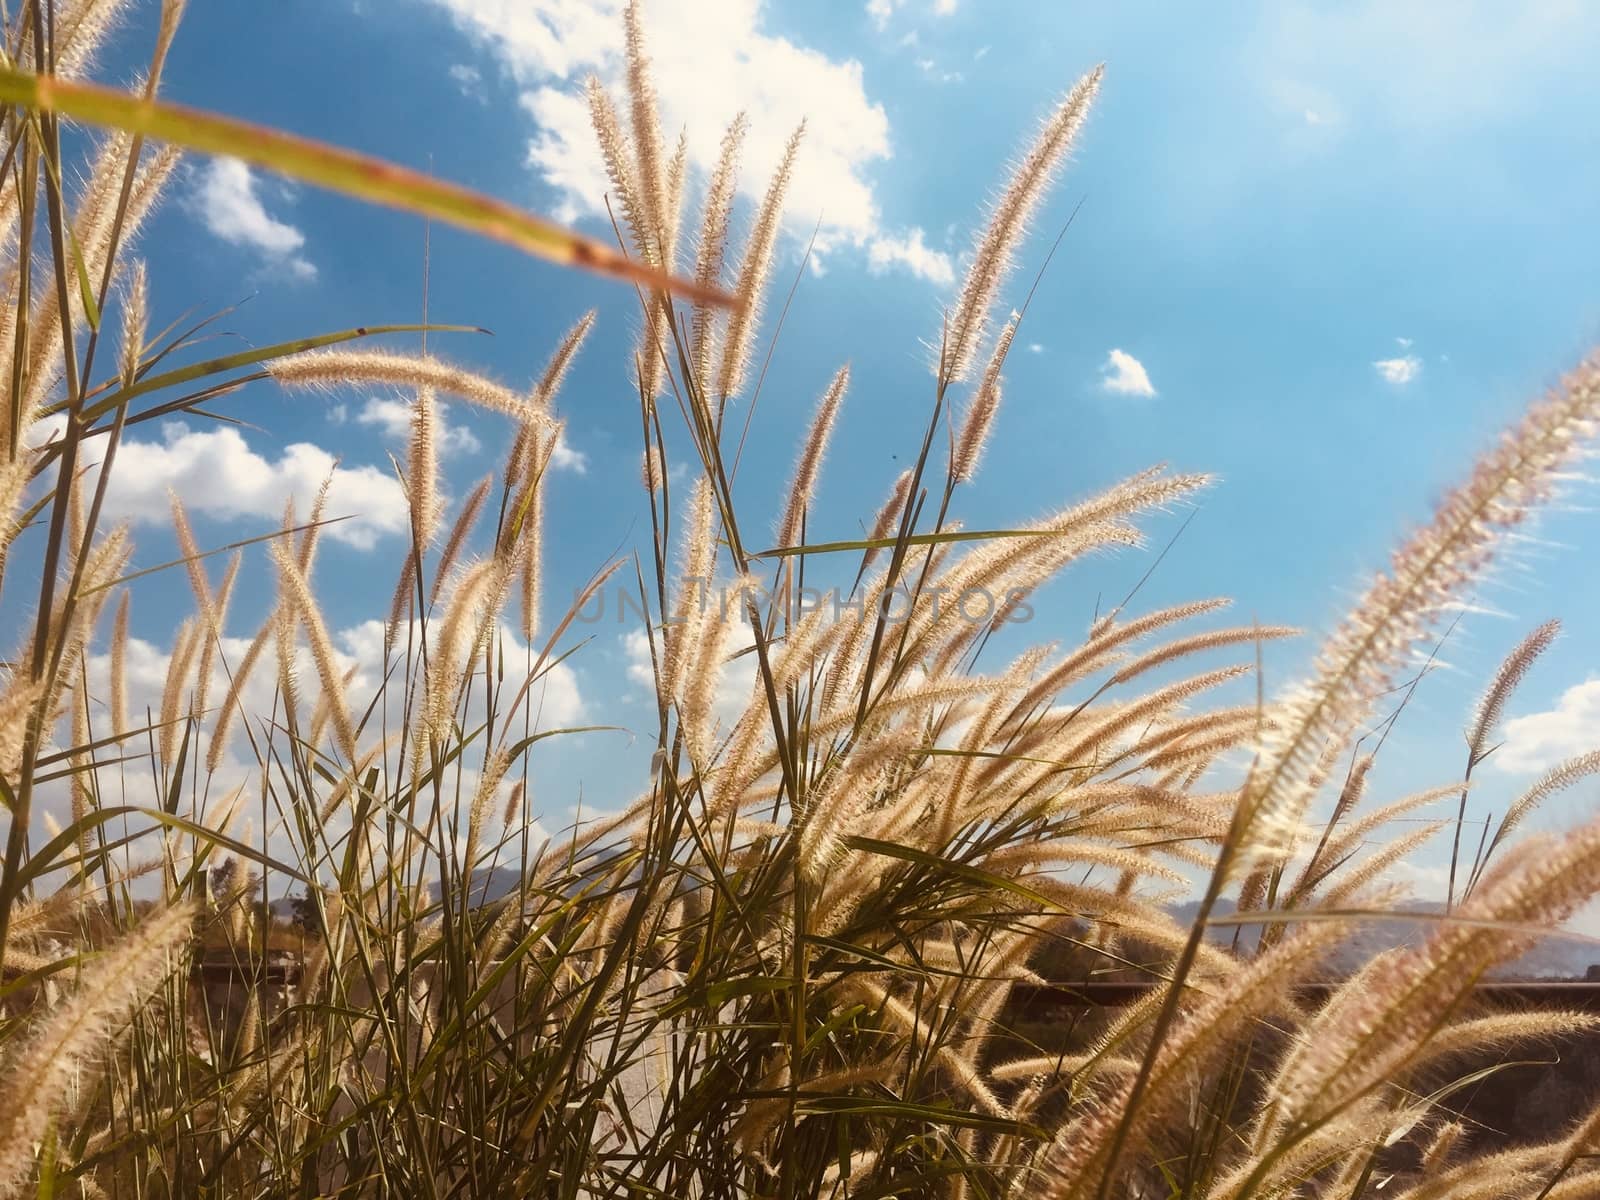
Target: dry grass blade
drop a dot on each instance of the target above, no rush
(358, 175)
(995, 247)
(1516, 666)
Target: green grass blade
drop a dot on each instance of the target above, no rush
(247, 358)
(916, 539)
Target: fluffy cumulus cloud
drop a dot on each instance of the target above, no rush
(1398, 371)
(392, 418)
(1540, 740)
(218, 475)
(710, 59)
(565, 458)
(912, 252)
(636, 650)
(1125, 375)
(227, 198)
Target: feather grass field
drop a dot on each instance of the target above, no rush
(787, 966)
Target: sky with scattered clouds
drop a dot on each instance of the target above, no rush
(1312, 252)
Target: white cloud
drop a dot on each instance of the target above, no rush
(881, 12)
(393, 419)
(735, 682)
(710, 60)
(981, 52)
(929, 67)
(1314, 118)
(50, 427)
(911, 251)
(1403, 343)
(469, 80)
(556, 697)
(1539, 740)
(1125, 375)
(217, 474)
(565, 458)
(1035, 347)
(636, 649)
(229, 204)
(1422, 881)
(1398, 371)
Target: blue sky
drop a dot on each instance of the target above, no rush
(1334, 249)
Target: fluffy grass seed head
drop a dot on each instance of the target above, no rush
(713, 245)
(66, 1049)
(322, 652)
(975, 426)
(739, 342)
(1517, 664)
(995, 248)
(804, 484)
(328, 369)
(135, 317)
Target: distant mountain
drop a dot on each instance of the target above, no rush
(1551, 958)
(493, 884)
(488, 885)
(283, 908)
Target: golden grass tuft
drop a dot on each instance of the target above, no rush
(795, 961)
